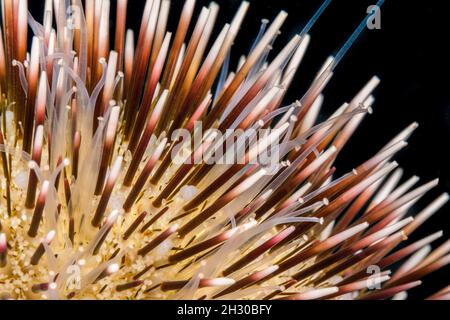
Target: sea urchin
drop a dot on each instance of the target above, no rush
(152, 171)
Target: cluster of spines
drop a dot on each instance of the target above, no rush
(89, 126)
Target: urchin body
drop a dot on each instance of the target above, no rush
(105, 198)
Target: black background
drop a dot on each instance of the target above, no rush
(409, 54)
